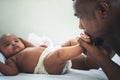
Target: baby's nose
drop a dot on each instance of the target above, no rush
(13, 43)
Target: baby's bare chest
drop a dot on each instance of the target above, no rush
(28, 59)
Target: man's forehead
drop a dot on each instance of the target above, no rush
(80, 2)
(81, 8)
(77, 7)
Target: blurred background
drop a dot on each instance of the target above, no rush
(52, 18)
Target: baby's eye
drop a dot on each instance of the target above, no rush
(17, 40)
(7, 44)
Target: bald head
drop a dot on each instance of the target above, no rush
(5, 35)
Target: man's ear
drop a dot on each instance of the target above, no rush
(104, 9)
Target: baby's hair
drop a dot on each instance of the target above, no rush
(5, 35)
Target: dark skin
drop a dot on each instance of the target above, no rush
(18, 52)
(22, 56)
(100, 18)
(81, 62)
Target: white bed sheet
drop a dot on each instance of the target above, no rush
(71, 75)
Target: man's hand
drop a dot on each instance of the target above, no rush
(93, 52)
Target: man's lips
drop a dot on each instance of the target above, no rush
(97, 41)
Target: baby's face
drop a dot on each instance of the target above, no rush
(10, 45)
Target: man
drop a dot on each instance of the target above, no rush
(100, 19)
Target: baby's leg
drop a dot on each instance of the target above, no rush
(71, 42)
(55, 62)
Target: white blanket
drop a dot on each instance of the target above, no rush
(72, 75)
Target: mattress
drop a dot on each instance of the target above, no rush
(73, 74)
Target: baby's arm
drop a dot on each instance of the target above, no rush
(27, 43)
(9, 68)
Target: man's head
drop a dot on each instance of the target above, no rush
(98, 18)
(10, 45)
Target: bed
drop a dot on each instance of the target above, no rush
(73, 74)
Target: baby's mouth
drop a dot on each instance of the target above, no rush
(16, 48)
(97, 41)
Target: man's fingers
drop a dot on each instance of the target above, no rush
(85, 45)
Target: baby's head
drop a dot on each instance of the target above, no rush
(10, 45)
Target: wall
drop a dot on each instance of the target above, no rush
(52, 18)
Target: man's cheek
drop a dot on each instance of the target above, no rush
(97, 41)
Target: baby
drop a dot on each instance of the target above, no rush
(22, 56)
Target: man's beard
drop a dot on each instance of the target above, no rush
(97, 41)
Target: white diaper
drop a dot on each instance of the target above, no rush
(40, 69)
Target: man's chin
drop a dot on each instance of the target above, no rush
(97, 41)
